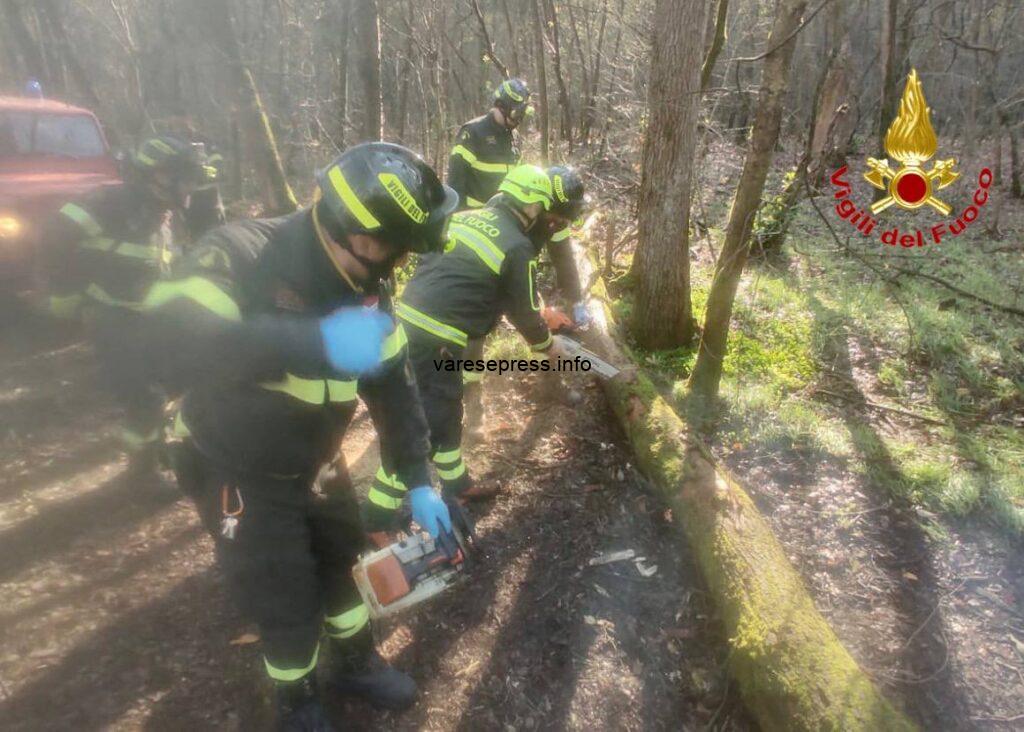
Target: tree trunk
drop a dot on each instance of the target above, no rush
(556, 61)
(278, 194)
(717, 42)
(341, 77)
(1016, 189)
(661, 268)
(887, 59)
(792, 671)
(366, 22)
(543, 117)
(707, 372)
(31, 53)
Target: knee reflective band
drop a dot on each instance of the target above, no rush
(291, 674)
(472, 377)
(314, 391)
(449, 464)
(412, 316)
(387, 491)
(348, 623)
(136, 441)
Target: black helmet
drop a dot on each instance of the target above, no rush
(513, 98)
(568, 199)
(388, 191)
(182, 160)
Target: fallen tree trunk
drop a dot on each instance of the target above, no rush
(791, 669)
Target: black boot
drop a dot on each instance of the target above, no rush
(357, 669)
(299, 708)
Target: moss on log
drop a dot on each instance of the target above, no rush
(792, 671)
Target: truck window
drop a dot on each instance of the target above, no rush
(27, 133)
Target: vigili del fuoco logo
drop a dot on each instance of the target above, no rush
(911, 142)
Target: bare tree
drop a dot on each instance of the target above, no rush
(707, 372)
(366, 22)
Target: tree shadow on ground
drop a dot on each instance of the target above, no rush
(928, 678)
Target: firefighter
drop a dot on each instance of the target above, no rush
(486, 148)
(271, 329)
(205, 209)
(487, 270)
(106, 250)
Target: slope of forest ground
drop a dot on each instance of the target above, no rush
(878, 427)
(115, 616)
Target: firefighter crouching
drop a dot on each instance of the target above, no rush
(272, 329)
(487, 270)
(105, 251)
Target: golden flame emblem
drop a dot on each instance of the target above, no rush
(911, 141)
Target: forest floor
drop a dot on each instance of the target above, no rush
(879, 429)
(114, 615)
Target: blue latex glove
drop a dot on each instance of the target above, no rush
(581, 314)
(429, 510)
(353, 338)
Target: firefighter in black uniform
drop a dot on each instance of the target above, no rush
(487, 270)
(105, 251)
(486, 148)
(205, 208)
(271, 329)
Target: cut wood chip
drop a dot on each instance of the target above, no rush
(245, 639)
(609, 557)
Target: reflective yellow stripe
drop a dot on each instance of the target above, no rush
(82, 217)
(394, 343)
(351, 201)
(161, 146)
(542, 345)
(448, 457)
(98, 294)
(472, 377)
(198, 289)
(144, 159)
(134, 440)
(348, 623)
(470, 157)
(531, 274)
(434, 327)
(483, 247)
(508, 90)
(342, 391)
(383, 500)
(65, 306)
(456, 472)
(124, 248)
(473, 203)
(312, 391)
(291, 674)
(391, 481)
(180, 429)
(562, 235)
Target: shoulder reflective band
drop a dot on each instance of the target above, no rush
(434, 327)
(531, 274)
(542, 345)
(351, 201)
(292, 674)
(198, 289)
(470, 157)
(394, 343)
(83, 218)
(482, 246)
(161, 146)
(348, 623)
(474, 203)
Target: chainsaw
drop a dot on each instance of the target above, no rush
(414, 568)
(602, 367)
